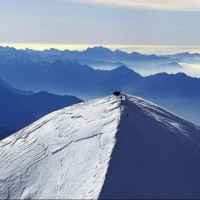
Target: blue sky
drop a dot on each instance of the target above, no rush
(137, 22)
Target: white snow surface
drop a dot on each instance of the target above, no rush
(64, 155)
(87, 150)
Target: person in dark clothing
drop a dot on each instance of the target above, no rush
(127, 114)
(117, 93)
(121, 99)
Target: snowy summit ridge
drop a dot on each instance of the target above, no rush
(102, 149)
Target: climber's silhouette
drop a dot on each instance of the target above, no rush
(120, 95)
(121, 99)
(117, 93)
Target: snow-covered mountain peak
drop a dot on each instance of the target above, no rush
(102, 148)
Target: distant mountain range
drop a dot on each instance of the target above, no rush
(20, 110)
(60, 72)
(98, 57)
(186, 57)
(95, 53)
(70, 77)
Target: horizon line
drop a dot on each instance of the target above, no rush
(124, 47)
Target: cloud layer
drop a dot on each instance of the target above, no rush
(174, 5)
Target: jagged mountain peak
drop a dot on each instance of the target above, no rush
(98, 48)
(103, 148)
(123, 68)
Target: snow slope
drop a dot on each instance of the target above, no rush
(156, 156)
(63, 155)
(93, 150)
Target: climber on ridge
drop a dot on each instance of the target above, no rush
(119, 94)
